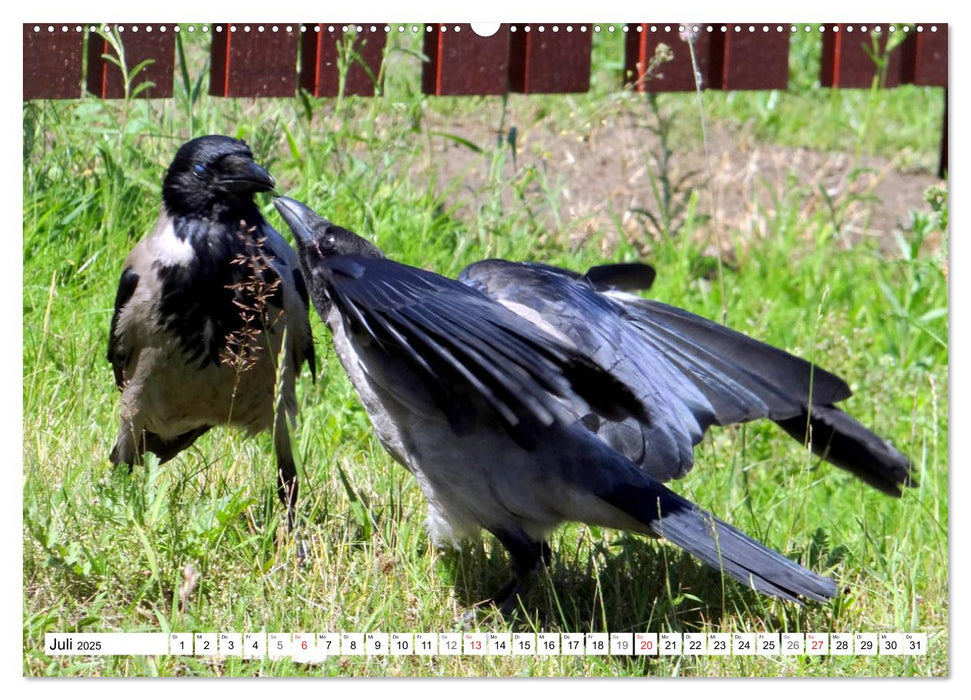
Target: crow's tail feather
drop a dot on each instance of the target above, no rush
(718, 544)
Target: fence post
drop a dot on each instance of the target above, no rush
(52, 62)
(542, 60)
(750, 60)
(249, 63)
(464, 63)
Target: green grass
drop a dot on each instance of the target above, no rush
(105, 551)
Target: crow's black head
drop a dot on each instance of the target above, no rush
(317, 237)
(318, 240)
(212, 171)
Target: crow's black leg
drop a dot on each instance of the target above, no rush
(288, 488)
(287, 485)
(527, 556)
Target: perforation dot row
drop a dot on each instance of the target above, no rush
(694, 29)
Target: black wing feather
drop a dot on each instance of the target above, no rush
(784, 382)
(117, 355)
(308, 348)
(629, 277)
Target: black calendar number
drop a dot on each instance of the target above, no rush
(694, 645)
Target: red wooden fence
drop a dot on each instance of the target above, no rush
(262, 60)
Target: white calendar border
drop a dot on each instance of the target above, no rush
(382, 10)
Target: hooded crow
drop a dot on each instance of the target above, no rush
(211, 316)
(486, 407)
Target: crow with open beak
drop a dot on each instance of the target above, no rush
(489, 406)
(211, 315)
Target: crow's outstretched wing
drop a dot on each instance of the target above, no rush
(788, 390)
(690, 373)
(470, 353)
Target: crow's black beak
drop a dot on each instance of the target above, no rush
(298, 217)
(239, 174)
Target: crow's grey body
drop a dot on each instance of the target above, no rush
(204, 307)
(487, 408)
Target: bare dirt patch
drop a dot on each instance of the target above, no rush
(597, 178)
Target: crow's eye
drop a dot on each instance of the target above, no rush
(199, 169)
